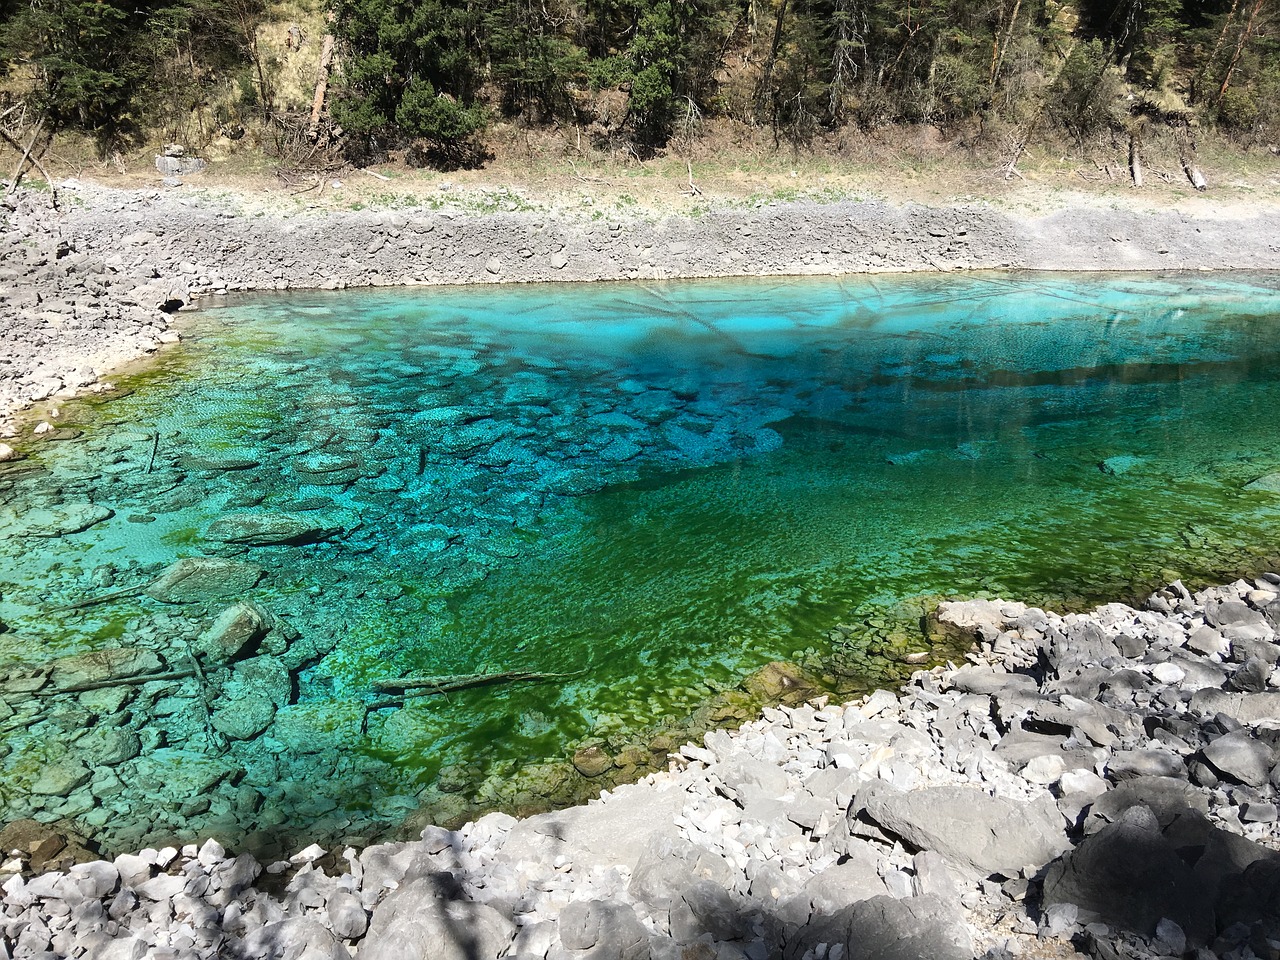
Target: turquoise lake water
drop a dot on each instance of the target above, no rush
(653, 488)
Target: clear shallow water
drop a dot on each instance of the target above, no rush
(656, 488)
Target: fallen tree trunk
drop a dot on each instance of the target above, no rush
(122, 681)
(449, 682)
(104, 598)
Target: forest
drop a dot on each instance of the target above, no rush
(433, 77)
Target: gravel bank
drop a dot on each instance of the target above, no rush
(1098, 784)
(84, 289)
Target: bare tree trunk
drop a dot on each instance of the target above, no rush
(322, 85)
(1135, 162)
(766, 75)
(1222, 37)
(844, 69)
(28, 156)
(1245, 36)
(1004, 47)
(1186, 155)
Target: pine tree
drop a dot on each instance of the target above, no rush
(410, 68)
(80, 56)
(532, 57)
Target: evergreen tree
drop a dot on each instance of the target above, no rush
(81, 57)
(532, 57)
(409, 68)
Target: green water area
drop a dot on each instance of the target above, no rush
(214, 578)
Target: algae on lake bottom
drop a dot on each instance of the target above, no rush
(653, 488)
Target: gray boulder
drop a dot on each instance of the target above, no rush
(290, 938)
(1252, 896)
(852, 880)
(1166, 797)
(969, 827)
(984, 680)
(1240, 757)
(1225, 858)
(752, 779)
(426, 919)
(884, 928)
(1246, 708)
(705, 907)
(599, 930)
(1148, 762)
(347, 916)
(1129, 876)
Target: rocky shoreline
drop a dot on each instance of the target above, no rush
(96, 283)
(1099, 784)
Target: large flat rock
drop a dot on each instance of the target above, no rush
(970, 827)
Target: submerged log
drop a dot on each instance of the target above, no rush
(446, 683)
(134, 681)
(103, 598)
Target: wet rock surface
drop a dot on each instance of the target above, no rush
(893, 826)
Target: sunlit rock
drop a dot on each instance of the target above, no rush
(266, 529)
(235, 628)
(60, 521)
(196, 579)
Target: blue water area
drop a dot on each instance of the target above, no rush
(647, 490)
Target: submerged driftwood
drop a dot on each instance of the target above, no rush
(104, 598)
(445, 683)
(133, 681)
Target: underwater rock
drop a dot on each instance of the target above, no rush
(261, 677)
(326, 463)
(61, 778)
(267, 529)
(592, 760)
(1270, 483)
(196, 579)
(169, 773)
(244, 718)
(319, 726)
(779, 681)
(236, 627)
(107, 747)
(59, 521)
(97, 666)
(218, 464)
(1119, 466)
(7, 453)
